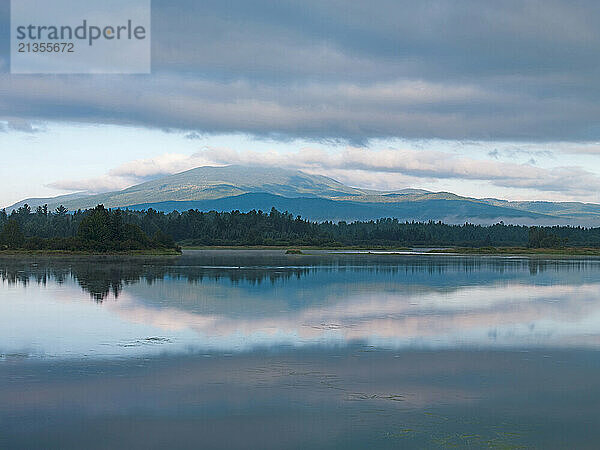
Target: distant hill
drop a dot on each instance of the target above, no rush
(320, 209)
(318, 198)
(572, 210)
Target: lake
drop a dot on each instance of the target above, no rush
(258, 349)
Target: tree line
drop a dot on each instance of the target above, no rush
(101, 229)
(94, 230)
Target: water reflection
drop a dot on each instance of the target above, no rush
(321, 351)
(239, 301)
(340, 398)
(105, 277)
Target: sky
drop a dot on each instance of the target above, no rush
(485, 99)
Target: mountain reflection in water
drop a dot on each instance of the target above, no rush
(236, 301)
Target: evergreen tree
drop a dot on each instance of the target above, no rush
(100, 229)
(96, 225)
(61, 211)
(11, 236)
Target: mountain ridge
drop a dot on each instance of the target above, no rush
(321, 209)
(224, 187)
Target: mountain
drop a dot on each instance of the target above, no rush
(560, 209)
(318, 198)
(205, 183)
(60, 200)
(321, 209)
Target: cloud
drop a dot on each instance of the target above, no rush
(192, 136)
(419, 164)
(494, 154)
(351, 72)
(586, 148)
(20, 125)
(96, 185)
(135, 172)
(445, 69)
(469, 313)
(379, 169)
(161, 165)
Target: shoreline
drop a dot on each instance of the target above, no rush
(519, 251)
(154, 252)
(299, 250)
(292, 247)
(508, 251)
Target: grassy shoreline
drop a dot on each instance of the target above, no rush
(566, 251)
(153, 252)
(508, 251)
(287, 247)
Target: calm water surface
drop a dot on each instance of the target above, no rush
(257, 349)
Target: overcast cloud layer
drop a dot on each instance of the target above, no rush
(358, 167)
(345, 70)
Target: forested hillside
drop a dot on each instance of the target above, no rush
(108, 230)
